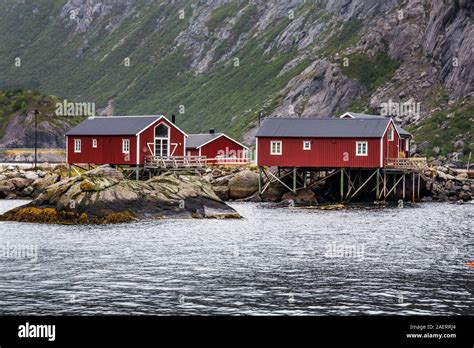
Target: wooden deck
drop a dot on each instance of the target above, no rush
(175, 162)
(413, 163)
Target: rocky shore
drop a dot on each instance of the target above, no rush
(103, 195)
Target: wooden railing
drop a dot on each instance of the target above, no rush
(406, 163)
(175, 162)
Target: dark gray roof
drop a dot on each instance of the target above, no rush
(113, 125)
(323, 127)
(403, 133)
(356, 115)
(195, 140)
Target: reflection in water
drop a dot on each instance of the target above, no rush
(275, 261)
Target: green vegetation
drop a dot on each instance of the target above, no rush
(444, 128)
(219, 15)
(370, 72)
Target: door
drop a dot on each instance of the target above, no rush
(161, 141)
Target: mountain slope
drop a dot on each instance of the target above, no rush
(218, 63)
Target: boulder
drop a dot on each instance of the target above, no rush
(303, 196)
(243, 184)
(6, 188)
(31, 175)
(222, 192)
(465, 196)
(102, 195)
(21, 183)
(273, 193)
(462, 176)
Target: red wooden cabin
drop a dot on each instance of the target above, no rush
(123, 140)
(405, 137)
(327, 142)
(217, 147)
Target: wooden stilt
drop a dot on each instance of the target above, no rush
(260, 180)
(419, 186)
(294, 179)
(377, 187)
(403, 195)
(413, 188)
(384, 184)
(342, 184)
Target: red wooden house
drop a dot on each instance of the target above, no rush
(217, 147)
(327, 142)
(405, 137)
(123, 140)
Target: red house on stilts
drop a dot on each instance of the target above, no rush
(301, 152)
(124, 140)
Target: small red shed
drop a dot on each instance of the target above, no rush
(123, 140)
(327, 142)
(217, 147)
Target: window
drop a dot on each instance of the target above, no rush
(275, 148)
(77, 145)
(390, 133)
(407, 144)
(306, 145)
(94, 143)
(361, 148)
(125, 145)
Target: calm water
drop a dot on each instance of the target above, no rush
(275, 261)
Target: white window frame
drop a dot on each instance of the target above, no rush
(391, 133)
(306, 145)
(366, 152)
(94, 143)
(407, 144)
(77, 145)
(125, 145)
(276, 142)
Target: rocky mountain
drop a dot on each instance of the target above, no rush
(219, 63)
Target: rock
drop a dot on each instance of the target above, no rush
(303, 196)
(459, 144)
(102, 195)
(442, 169)
(31, 175)
(224, 180)
(466, 188)
(21, 183)
(423, 74)
(42, 182)
(402, 95)
(462, 176)
(243, 184)
(273, 193)
(465, 196)
(27, 191)
(6, 188)
(222, 192)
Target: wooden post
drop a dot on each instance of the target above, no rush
(342, 184)
(404, 185)
(294, 179)
(377, 188)
(419, 184)
(260, 180)
(68, 170)
(137, 173)
(413, 188)
(384, 184)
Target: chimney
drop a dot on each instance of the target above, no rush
(211, 130)
(173, 119)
